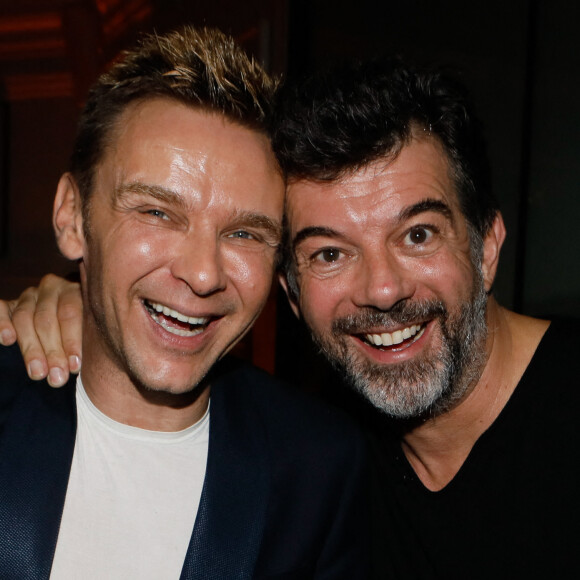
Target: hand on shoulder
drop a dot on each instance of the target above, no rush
(47, 323)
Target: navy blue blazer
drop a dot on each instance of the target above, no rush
(283, 496)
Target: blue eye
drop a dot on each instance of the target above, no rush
(158, 214)
(242, 235)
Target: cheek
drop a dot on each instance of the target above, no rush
(151, 242)
(251, 273)
(445, 274)
(320, 299)
(130, 245)
(136, 261)
(124, 257)
(145, 249)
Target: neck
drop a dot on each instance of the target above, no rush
(438, 447)
(126, 401)
(151, 410)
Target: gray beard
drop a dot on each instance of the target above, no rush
(428, 385)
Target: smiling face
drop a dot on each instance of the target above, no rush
(387, 283)
(184, 224)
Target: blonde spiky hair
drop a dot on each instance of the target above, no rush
(202, 68)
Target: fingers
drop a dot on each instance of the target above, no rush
(70, 317)
(22, 313)
(7, 332)
(58, 326)
(47, 323)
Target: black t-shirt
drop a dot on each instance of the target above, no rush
(513, 509)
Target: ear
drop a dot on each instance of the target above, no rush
(293, 304)
(492, 244)
(67, 218)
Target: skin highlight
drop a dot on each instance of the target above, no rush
(389, 254)
(386, 247)
(185, 215)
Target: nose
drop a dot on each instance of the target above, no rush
(381, 281)
(198, 262)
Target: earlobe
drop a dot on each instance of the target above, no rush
(67, 218)
(284, 283)
(492, 244)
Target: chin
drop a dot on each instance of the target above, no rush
(166, 383)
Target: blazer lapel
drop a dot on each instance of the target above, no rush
(228, 530)
(36, 448)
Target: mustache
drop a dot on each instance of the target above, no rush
(402, 313)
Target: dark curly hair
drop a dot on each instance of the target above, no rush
(338, 121)
(202, 68)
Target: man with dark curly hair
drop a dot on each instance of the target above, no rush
(392, 247)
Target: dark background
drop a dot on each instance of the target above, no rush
(520, 59)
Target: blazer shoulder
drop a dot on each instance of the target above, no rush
(13, 377)
(19, 394)
(288, 414)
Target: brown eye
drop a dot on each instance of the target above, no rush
(329, 255)
(418, 235)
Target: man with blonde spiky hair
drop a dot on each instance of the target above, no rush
(172, 208)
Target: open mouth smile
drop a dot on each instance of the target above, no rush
(175, 322)
(403, 336)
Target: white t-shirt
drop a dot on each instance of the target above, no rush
(132, 499)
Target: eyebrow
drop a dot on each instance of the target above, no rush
(312, 232)
(155, 191)
(425, 205)
(259, 221)
(420, 207)
(239, 217)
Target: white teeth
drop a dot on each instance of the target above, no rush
(177, 315)
(173, 330)
(159, 308)
(397, 337)
(387, 339)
